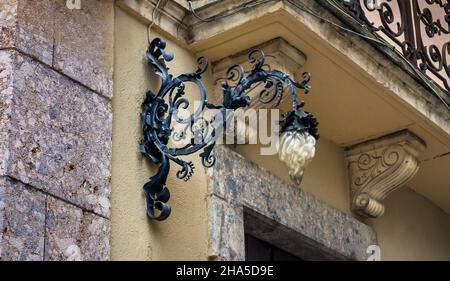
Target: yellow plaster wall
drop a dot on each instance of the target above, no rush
(412, 228)
(133, 236)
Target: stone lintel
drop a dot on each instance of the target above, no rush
(242, 192)
(380, 166)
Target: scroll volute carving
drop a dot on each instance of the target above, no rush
(378, 167)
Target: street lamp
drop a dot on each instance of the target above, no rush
(160, 110)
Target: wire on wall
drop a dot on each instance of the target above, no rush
(218, 17)
(149, 29)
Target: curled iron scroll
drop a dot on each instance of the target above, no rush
(161, 110)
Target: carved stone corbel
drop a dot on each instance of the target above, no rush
(380, 166)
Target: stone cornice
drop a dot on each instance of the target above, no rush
(169, 19)
(176, 20)
(378, 167)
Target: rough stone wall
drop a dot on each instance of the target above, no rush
(55, 129)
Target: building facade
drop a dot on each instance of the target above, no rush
(73, 77)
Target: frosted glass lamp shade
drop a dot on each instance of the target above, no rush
(296, 150)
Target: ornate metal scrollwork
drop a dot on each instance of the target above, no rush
(162, 110)
(418, 29)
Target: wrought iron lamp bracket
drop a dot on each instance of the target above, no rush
(161, 109)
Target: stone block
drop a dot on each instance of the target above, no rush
(226, 228)
(8, 14)
(77, 42)
(84, 43)
(28, 26)
(56, 134)
(74, 235)
(22, 221)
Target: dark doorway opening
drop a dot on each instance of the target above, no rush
(258, 250)
(268, 240)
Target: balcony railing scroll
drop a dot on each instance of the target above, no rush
(419, 29)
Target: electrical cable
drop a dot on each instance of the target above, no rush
(149, 28)
(217, 17)
(338, 25)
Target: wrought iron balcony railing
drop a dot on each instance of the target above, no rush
(419, 29)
